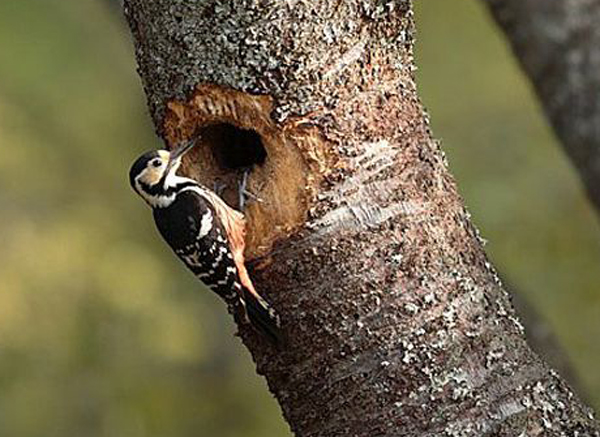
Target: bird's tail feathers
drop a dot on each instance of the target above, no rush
(262, 317)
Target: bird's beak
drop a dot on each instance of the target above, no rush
(176, 154)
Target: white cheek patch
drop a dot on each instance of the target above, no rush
(205, 224)
(150, 176)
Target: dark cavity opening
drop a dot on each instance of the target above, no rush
(234, 148)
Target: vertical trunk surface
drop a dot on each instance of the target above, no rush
(557, 43)
(396, 323)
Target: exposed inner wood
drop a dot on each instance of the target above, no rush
(236, 133)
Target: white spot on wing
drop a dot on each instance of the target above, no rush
(205, 224)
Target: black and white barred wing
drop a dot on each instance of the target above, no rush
(195, 232)
(192, 229)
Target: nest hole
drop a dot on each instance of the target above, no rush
(234, 148)
(238, 141)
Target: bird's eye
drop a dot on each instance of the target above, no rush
(157, 163)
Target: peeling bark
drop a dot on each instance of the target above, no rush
(558, 45)
(396, 323)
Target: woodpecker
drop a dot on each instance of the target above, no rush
(204, 232)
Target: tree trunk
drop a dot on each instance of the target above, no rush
(557, 43)
(396, 323)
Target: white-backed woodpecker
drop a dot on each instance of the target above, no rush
(204, 232)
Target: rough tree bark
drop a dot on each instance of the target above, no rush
(558, 45)
(396, 323)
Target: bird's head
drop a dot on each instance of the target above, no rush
(153, 175)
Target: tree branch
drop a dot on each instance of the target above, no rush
(396, 322)
(558, 45)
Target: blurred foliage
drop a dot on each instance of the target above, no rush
(103, 332)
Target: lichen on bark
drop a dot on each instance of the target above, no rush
(293, 51)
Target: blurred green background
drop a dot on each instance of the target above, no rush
(103, 332)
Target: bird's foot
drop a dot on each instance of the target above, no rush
(244, 195)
